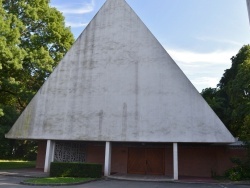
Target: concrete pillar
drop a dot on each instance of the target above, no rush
(175, 158)
(107, 164)
(248, 8)
(49, 157)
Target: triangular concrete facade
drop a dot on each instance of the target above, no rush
(117, 83)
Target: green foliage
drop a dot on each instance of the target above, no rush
(1, 112)
(231, 100)
(6, 165)
(33, 39)
(245, 129)
(63, 169)
(235, 86)
(241, 171)
(57, 180)
(234, 174)
(215, 101)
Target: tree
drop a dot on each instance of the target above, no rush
(240, 96)
(235, 85)
(231, 100)
(33, 39)
(211, 95)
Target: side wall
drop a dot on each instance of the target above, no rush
(205, 160)
(119, 159)
(96, 153)
(223, 158)
(169, 161)
(41, 151)
(194, 159)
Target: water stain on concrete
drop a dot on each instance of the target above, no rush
(124, 121)
(100, 114)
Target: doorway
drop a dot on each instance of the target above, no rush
(150, 161)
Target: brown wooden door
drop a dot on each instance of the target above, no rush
(136, 161)
(155, 162)
(146, 161)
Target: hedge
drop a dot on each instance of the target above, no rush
(65, 169)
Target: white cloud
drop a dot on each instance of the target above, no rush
(227, 41)
(76, 8)
(73, 12)
(221, 57)
(76, 24)
(204, 82)
(203, 69)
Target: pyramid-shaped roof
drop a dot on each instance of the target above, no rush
(117, 83)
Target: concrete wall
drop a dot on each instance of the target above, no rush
(248, 8)
(117, 83)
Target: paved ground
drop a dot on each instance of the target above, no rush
(13, 182)
(28, 172)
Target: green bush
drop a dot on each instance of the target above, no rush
(240, 172)
(63, 169)
(234, 174)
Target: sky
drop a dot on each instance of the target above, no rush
(200, 35)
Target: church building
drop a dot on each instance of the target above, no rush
(117, 98)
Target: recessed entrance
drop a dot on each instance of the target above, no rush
(146, 161)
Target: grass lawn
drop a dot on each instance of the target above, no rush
(13, 164)
(57, 180)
